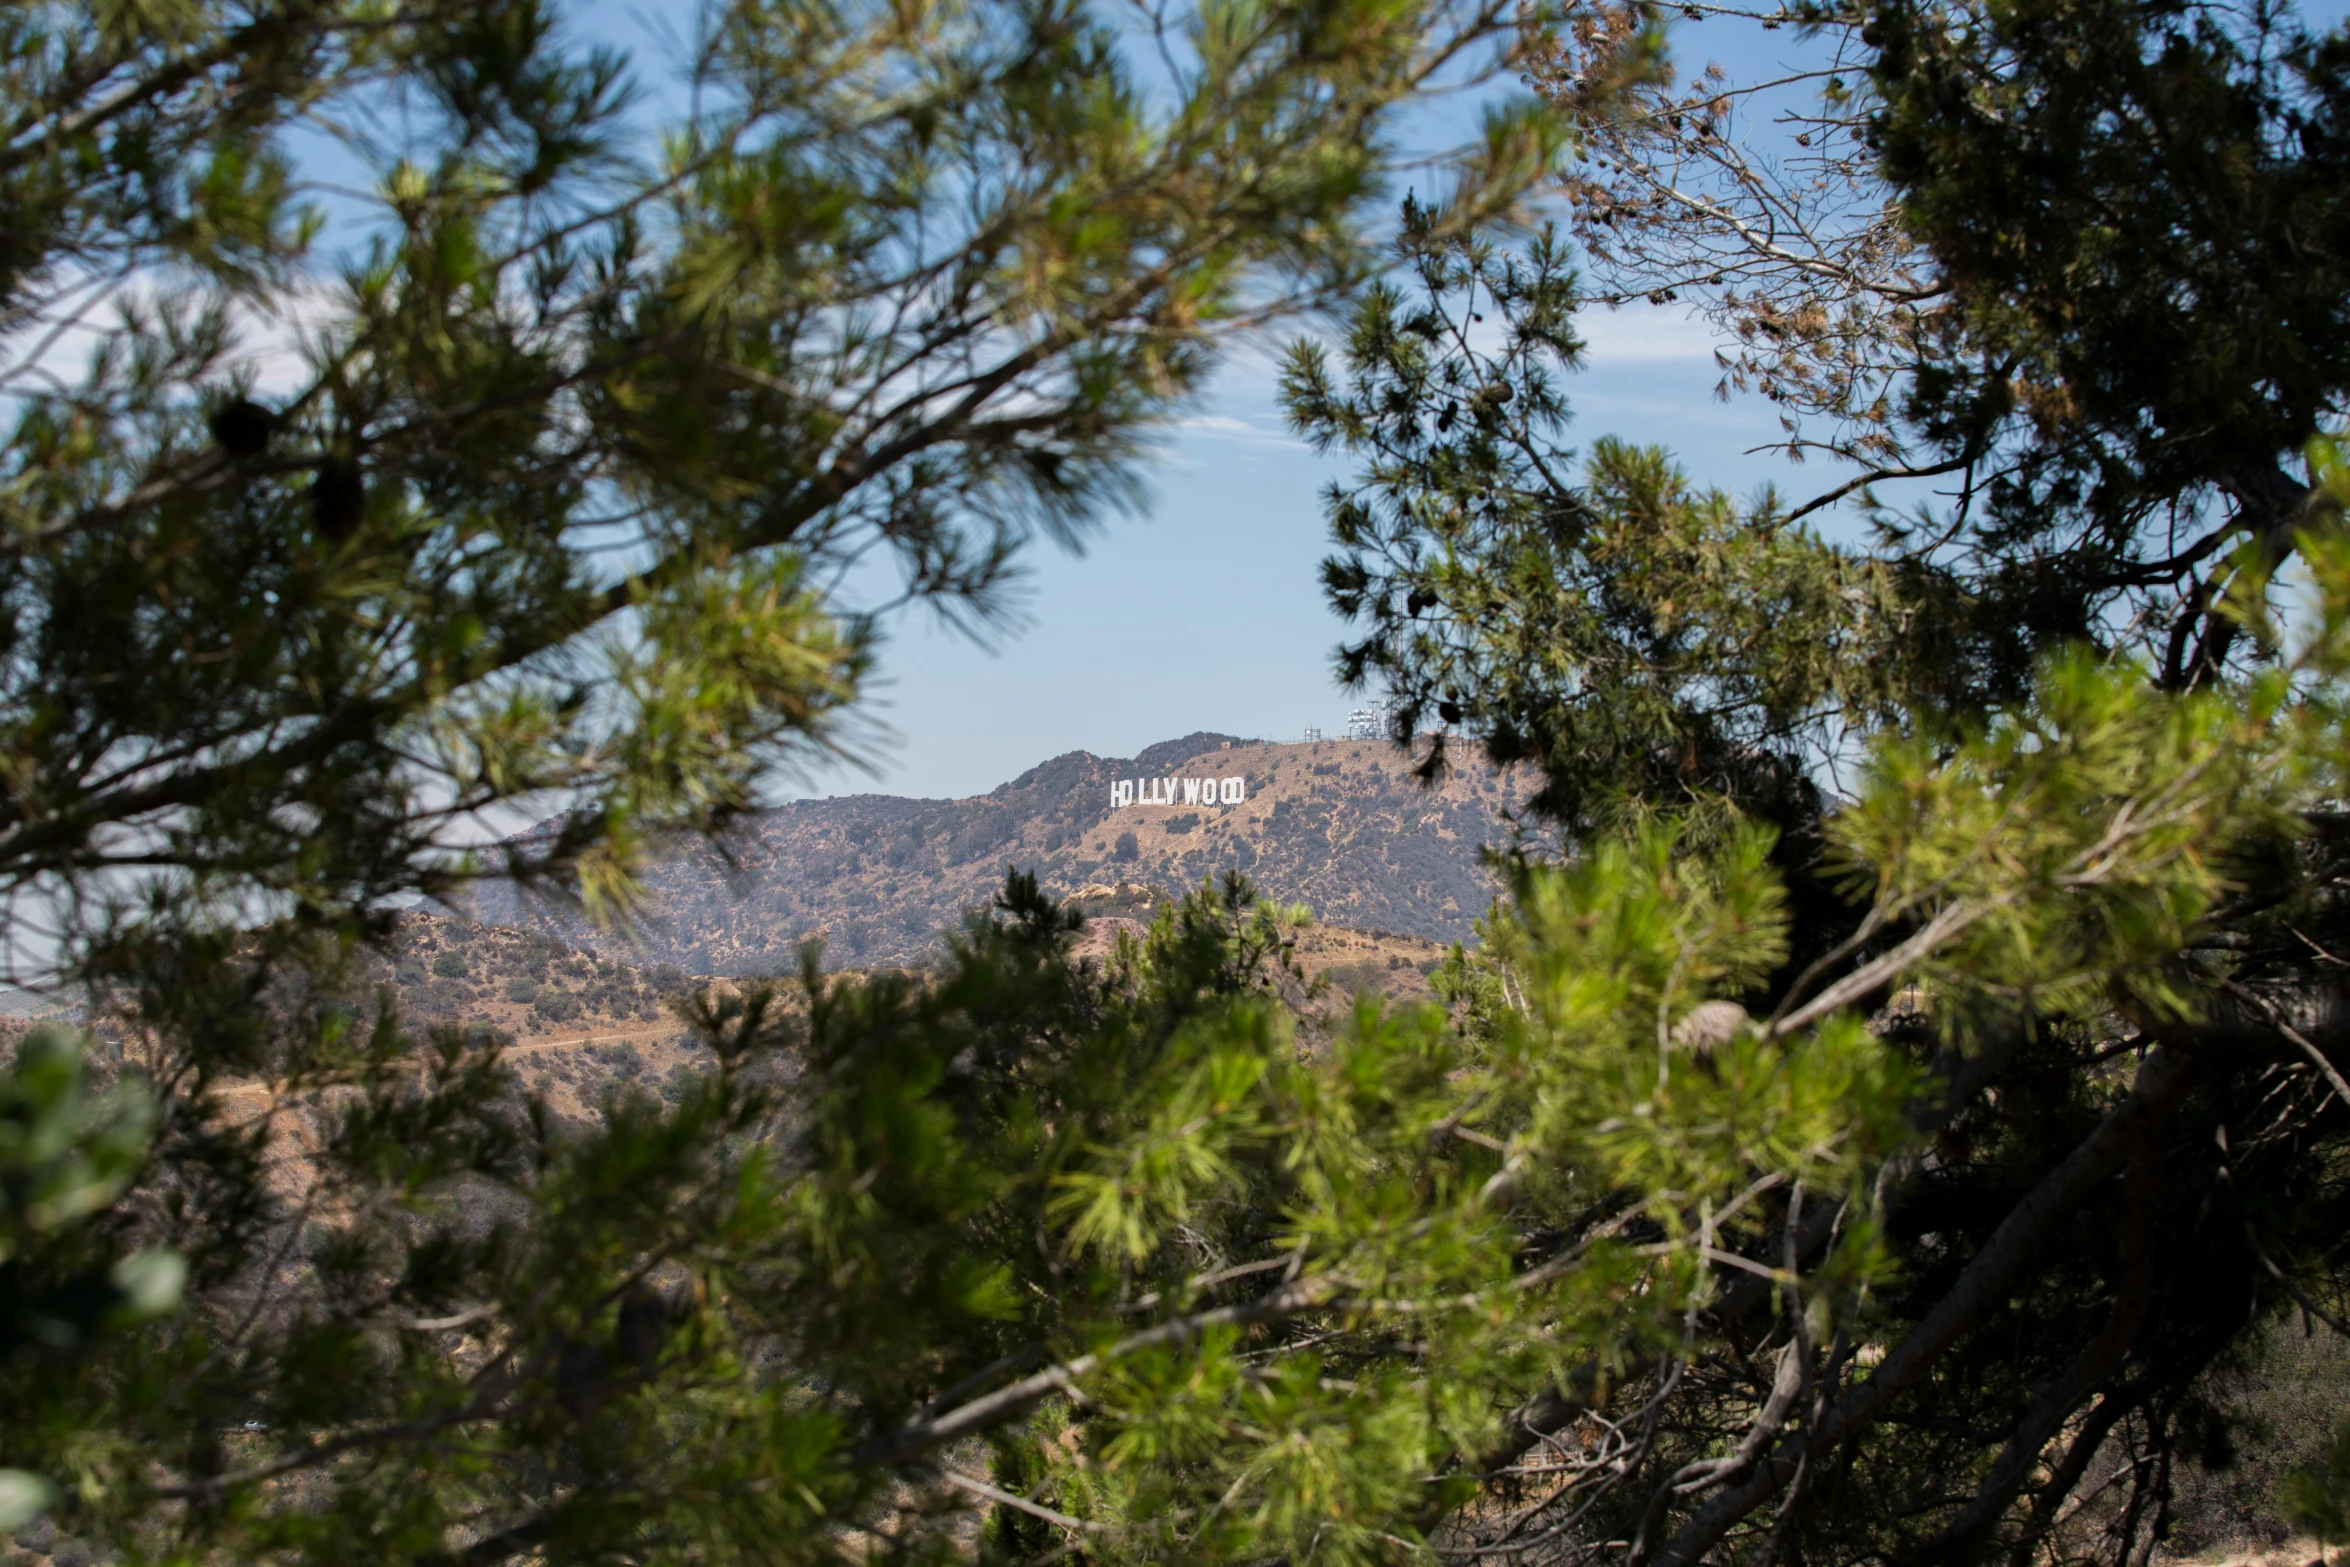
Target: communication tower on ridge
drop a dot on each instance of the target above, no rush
(1313, 734)
(1376, 722)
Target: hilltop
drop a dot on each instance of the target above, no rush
(1391, 870)
(1338, 824)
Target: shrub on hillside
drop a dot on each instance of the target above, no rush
(622, 1060)
(2263, 1417)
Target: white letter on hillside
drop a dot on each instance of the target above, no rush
(1121, 793)
(1234, 790)
(1191, 792)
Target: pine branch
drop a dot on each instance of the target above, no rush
(925, 1435)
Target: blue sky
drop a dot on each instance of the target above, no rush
(1205, 612)
(1202, 611)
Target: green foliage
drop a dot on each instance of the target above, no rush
(1643, 643)
(2319, 1497)
(770, 1300)
(1827, 1181)
(2139, 309)
(2053, 763)
(581, 399)
(578, 419)
(1158, 1154)
(67, 1151)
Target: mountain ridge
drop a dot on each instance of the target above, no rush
(1338, 824)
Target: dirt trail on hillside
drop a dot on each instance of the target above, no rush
(638, 1034)
(2293, 1553)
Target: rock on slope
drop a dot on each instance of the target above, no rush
(1340, 825)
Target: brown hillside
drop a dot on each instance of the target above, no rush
(1340, 825)
(581, 1026)
(581, 1023)
(523, 983)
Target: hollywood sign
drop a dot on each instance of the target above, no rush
(1174, 791)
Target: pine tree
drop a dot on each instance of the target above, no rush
(1791, 1172)
(2082, 272)
(424, 423)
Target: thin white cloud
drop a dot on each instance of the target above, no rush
(1644, 334)
(1226, 427)
(273, 345)
(266, 341)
